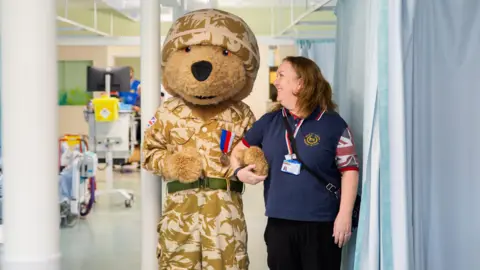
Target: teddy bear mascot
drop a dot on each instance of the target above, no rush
(210, 60)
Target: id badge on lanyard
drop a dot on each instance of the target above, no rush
(290, 164)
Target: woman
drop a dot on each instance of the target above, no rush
(307, 226)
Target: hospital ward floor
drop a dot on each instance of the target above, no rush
(110, 237)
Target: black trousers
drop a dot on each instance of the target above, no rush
(299, 245)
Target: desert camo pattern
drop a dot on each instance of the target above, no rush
(198, 230)
(176, 128)
(203, 230)
(214, 27)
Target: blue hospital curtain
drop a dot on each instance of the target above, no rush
(420, 123)
(321, 51)
(384, 233)
(349, 84)
(442, 80)
(368, 91)
(1, 132)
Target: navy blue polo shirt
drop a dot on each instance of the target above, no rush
(324, 143)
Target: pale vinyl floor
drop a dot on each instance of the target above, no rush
(109, 239)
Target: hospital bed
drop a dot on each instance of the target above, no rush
(76, 180)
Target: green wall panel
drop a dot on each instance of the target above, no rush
(72, 82)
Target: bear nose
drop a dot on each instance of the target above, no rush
(201, 70)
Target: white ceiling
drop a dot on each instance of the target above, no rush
(193, 4)
(131, 8)
(296, 12)
(135, 4)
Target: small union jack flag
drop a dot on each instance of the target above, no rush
(151, 122)
(346, 157)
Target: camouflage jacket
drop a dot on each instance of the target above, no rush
(175, 128)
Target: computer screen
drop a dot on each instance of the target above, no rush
(119, 79)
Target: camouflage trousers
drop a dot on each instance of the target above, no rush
(203, 230)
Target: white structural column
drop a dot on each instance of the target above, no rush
(151, 195)
(30, 135)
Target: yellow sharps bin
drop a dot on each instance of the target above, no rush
(106, 109)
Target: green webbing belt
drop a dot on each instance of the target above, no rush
(207, 183)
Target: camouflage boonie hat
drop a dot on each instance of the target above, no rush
(214, 27)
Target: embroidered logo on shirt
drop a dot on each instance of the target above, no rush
(311, 139)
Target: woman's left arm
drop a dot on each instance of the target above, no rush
(347, 163)
(349, 192)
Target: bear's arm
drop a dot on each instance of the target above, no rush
(248, 122)
(248, 150)
(154, 146)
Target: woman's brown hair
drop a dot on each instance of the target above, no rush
(316, 90)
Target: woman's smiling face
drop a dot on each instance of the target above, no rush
(288, 85)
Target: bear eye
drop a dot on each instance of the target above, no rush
(226, 52)
(188, 49)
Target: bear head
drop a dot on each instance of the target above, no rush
(209, 57)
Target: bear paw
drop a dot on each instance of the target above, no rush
(254, 155)
(184, 166)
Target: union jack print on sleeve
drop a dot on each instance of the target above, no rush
(346, 155)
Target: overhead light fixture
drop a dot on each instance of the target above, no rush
(317, 23)
(131, 4)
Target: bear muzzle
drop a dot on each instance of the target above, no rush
(201, 70)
